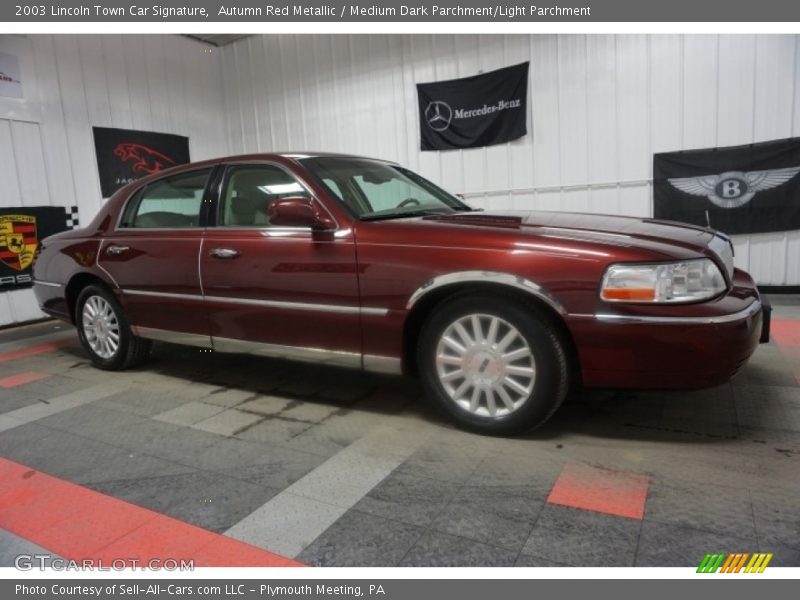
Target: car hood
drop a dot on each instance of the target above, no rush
(652, 234)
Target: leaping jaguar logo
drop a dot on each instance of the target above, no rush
(733, 189)
(146, 160)
(438, 115)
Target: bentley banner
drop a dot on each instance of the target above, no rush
(124, 155)
(481, 110)
(21, 230)
(740, 189)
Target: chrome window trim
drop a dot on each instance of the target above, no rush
(124, 229)
(741, 315)
(308, 306)
(507, 279)
(262, 162)
(251, 228)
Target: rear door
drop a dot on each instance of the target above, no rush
(270, 288)
(152, 255)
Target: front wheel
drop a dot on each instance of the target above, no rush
(493, 364)
(104, 331)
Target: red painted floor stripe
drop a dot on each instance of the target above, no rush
(22, 379)
(618, 493)
(786, 334)
(78, 523)
(33, 350)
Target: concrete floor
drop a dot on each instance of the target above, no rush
(337, 468)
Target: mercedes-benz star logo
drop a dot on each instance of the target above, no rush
(438, 114)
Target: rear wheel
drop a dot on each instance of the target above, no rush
(493, 364)
(105, 333)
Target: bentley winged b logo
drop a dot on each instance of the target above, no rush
(438, 114)
(733, 189)
(17, 240)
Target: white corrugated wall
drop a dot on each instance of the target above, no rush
(599, 107)
(71, 83)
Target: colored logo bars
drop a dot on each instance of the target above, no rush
(734, 563)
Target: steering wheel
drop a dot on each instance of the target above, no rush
(409, 202)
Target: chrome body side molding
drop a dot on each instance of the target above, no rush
(330, 308)
(173, 337)
(320, 356)
(515, 281)
(47, 283)
(743, 314)
(388, 365)
(339, 358)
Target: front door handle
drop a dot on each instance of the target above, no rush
(224, 252)
(117, 250)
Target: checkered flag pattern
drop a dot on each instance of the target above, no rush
(72, 216)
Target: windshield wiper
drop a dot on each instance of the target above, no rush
(422, 212)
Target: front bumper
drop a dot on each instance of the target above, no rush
(766, 319)
(693, 347)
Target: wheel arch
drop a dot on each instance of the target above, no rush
(438, 290)
(74, 286)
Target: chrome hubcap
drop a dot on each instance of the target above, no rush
(100, 326)
(485, 365)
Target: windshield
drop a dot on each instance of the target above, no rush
(375, 190)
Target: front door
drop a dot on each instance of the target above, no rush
(152, 256)
(278, 290)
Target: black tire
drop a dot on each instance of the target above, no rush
(130, 349)
(549, 383)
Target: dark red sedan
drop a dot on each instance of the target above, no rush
(362, 263)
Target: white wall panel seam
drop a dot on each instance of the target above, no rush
(64, 119)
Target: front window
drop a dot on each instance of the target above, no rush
(249, 190)
(377, 190)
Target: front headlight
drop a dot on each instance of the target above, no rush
(686, 281)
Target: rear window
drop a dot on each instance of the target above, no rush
(170, 203)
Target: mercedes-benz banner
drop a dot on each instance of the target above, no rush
(482, 110)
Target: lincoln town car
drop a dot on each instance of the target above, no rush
(362, 263)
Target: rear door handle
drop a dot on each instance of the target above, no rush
(116, 250)
(224, 252)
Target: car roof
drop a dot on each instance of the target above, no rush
(211, 162)
(295, 155)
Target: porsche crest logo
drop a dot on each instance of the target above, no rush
(17, 241)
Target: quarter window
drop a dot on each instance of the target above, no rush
(249, 192)
(170, 203)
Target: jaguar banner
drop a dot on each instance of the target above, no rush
(21, 230)
(124, 155)
(476, 111)
(740, 189)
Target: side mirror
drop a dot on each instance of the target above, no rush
(299, 212)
